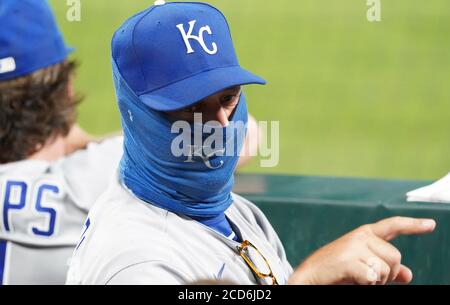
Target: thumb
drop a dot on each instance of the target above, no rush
(404, 276)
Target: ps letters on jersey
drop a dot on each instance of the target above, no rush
(200, 38)
(19, 200)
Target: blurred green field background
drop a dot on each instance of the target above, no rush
(353, 98)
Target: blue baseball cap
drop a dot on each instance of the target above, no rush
(173, 55)
(29, 38)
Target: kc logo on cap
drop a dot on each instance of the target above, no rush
(200, 39)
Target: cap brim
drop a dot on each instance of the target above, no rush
(194, 89)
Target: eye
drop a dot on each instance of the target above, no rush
(229, 99)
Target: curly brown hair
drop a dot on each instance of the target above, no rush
(34, 108)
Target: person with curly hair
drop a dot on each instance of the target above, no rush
(51, 171)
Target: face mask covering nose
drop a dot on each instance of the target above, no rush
(188, 170)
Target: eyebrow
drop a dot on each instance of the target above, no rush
(235, 90)
(232, 90)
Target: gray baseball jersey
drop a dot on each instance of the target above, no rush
(128, 241)
(44, 207)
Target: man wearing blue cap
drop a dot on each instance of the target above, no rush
(169, 217)
(50, 171)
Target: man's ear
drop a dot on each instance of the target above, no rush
(70, 91)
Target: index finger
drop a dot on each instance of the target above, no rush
(390, 228)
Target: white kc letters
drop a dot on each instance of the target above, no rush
(188, 36)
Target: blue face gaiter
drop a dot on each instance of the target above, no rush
(180, 184)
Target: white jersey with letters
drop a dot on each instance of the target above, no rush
(44, 207)
(128, 241)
